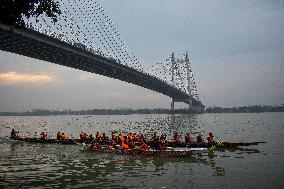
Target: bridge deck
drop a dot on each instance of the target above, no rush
(39, 46)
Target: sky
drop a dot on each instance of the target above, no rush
(236, 50)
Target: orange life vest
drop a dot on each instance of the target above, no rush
(210, 139)
(124, 145)
(143, 147)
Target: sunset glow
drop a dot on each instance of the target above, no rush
(18, 78)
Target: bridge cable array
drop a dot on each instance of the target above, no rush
(85, 24)
(165, 69)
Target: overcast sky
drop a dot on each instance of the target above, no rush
(236, 50)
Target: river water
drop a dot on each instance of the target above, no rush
(26, 165)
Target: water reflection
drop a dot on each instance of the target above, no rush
(53, 165)
(240, 150)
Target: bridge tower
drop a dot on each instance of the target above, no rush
(188, 79)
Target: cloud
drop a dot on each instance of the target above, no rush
(15, 78)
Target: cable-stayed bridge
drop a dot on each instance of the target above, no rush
(85, 38)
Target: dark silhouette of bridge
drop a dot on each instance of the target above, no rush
(37, 44)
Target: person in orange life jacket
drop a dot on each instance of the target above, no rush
(64, 137)
(124, 143)
(120, 138)
(210, 138)
(143, 147)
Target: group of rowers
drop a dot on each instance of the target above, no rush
(131, 140)
(60, 136)
(43, 135)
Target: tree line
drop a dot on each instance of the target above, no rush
(246, 109)
(129, 111)
(39, 112)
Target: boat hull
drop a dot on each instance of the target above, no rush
(138, 152)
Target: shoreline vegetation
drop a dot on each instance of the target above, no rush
(246, 109)
(129, 111)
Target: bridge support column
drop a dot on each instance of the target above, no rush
(173, 105)
(190, 107)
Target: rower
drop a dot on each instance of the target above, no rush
(155, 136)
(124, 143)
(13, 134)
(142, 138)
(91, 137)
(199, 139)
(43, 136)
(131, 144)
(163, 136)
(113, 135)
(82, 136)
(98, 136)
(143, 147)
(58, 136)
(210, 138)
(64, 137)
(120, 139)
(176, 138)
(187, 138)
(103, 137)
(162, 143)
(85, 136)
(155, 141)
(135, 137)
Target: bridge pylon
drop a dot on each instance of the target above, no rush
(174, 65)
(190, 107)
(173, 79)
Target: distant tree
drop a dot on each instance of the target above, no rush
(13, 11)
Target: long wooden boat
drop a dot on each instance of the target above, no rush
(49, 141)
(219, 144)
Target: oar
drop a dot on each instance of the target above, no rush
(88, 146)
